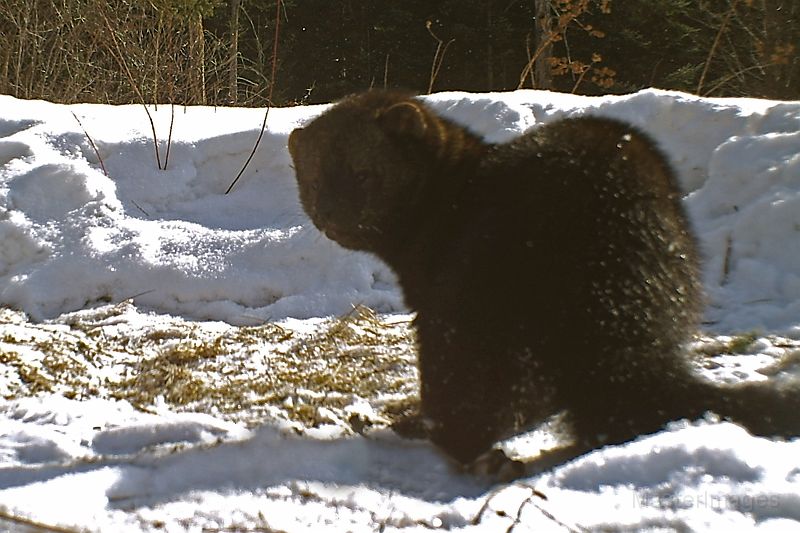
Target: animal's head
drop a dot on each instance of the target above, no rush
(363, 166)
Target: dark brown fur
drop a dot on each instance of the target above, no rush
(553, 273)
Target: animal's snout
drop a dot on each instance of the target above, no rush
(294, 141)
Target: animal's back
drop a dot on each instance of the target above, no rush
(579, 223)
(568, 279)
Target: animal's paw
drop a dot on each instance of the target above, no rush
(497, 466)
(550, 459)
(413, 425)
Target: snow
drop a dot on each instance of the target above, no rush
(171, 240)
(168, 247)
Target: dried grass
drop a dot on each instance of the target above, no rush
(246, 374)
(309, 377)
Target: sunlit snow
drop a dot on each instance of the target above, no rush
(173, 243)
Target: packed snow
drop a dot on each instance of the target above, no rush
(102, 236)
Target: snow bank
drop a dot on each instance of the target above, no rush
(102, 466)
(171, 239)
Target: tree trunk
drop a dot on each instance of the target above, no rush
(197, 58)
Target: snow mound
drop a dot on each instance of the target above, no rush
(159, 229)
(692, 477)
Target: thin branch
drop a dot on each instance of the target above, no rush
(169, 137)
(91, 142)
(119, 57)
(715, 44)
(726, 262)
(278, 5)
(736, 74)
(386, 72)
(530, 500)
(140, 208)
(584, 71)
(529, 67)
(530, 60)
(438, 56)
(27, 523)
(253, 151)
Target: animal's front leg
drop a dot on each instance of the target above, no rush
(464, 391)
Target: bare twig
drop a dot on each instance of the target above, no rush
(169, 137)
(529, 67)
(736, 74)
(535, 494)
(386, 72)
(714, 45)
(91, 142)
(530, 61)
(726, 262)
(140, 208)
(478, 518)
(438, 56)
(32, 525)
(584, 71)
(119, 57)
(278, 5)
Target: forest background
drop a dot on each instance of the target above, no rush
(284, 52)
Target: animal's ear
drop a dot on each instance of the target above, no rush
(406, 118)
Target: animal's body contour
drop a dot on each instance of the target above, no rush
(556, 272)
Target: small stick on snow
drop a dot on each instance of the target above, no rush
(32, 525)
(91, 142)
(726, 262)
